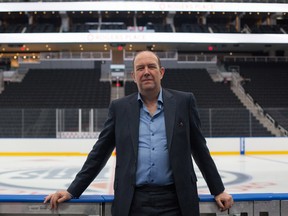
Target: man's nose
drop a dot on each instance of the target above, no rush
(146, 71)
(146, 74)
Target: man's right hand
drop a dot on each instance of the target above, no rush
(56, 198)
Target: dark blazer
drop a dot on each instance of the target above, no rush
(184, 137)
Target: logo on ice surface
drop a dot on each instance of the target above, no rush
(51, 179)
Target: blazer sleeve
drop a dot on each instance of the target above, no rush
(201, 153)
(97, 158)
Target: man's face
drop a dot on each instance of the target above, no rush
(147, 73)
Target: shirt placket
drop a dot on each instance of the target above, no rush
(153, 141)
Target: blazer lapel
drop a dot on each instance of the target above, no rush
(169, 113)
(133, 121)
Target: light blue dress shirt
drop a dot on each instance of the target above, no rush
(153, 166)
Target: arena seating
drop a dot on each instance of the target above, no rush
(186, 27)
(5, 64)
(222, 28)
(113, 26)
(160, 27)
(280, 115)
(266, 29)
(285, 28)
(216, 102)
(182, 22)
(17, 28)
(79, 27)
(45, 27)
(57, 88)
(28, 108)
(266, 82)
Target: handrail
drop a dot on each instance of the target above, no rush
(250, 203)
(256, 58)
(109, 198)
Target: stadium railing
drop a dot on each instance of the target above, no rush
(253, 204)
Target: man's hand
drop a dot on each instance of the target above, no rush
(56, 198)
(224, 201)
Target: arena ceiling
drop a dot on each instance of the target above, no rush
(25, 43)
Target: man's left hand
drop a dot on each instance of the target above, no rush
(224, 201)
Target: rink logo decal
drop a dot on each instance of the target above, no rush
(228, 177)
(45, 180)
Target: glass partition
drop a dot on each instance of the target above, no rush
(87, 123)
(51, 123)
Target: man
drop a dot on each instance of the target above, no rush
(155, 132)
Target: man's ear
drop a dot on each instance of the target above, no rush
(133, 76)
(162, 71)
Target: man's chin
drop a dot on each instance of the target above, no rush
(149, 86)
(148, 89)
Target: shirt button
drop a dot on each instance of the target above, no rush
(152, 134)
(153, 164)
(153, 149)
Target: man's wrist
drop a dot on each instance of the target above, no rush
(71, 195)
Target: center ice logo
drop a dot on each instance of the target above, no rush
(51, 179)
